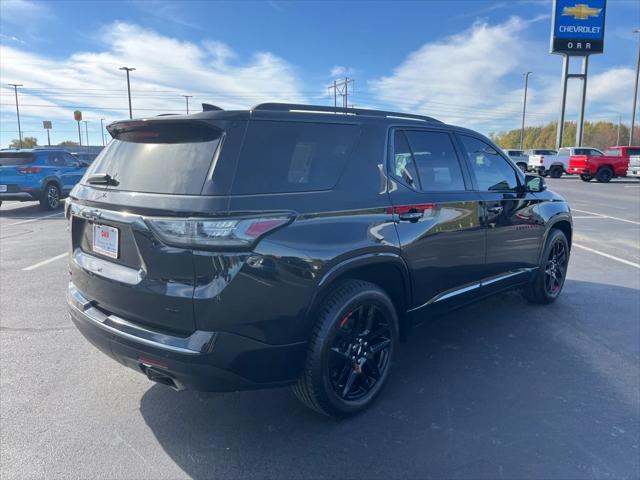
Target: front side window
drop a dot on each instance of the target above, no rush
(56, 159)
(436, 161)
(493, 173)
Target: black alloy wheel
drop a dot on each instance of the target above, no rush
(351, 350)
(360, 352)
(604, 175)
(547, 282)
(556, 268)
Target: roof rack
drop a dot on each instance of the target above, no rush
(294, 107)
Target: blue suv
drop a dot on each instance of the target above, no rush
(45, 175)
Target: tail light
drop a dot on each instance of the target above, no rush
(29, 169)
(541, 159)
(214, 233)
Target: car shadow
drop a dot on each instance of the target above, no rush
(500, 389)
(25, 211)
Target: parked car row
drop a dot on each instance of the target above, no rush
(587, 162)
(43, 175)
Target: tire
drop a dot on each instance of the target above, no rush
(604, 175)
(586, 178)
(523, 167)
(50, 198)
(555, 171)
(346, 367)
(547, 282)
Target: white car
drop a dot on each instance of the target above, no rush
(634, 166)
(554, 164)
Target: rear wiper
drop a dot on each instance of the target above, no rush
(103, 179)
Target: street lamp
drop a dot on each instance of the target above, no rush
(635, 95)
(187, 97)
(524, 107)
(86, 131)
(15, 89)
(128, 69)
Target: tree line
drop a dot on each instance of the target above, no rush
(596, 134)
(30, 142)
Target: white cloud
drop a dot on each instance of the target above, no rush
(458, 75)
(166, 68)
(342, 71)
(475, 79)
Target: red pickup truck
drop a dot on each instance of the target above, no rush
(613, 163)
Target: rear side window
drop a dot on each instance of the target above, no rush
(280, 157)
(8, 159)
(436, 160)
(165, 157)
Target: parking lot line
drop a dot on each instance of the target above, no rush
(35, 219)
(44, 262)
(606, 255)
(607, 216)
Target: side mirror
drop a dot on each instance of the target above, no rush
(535, 183)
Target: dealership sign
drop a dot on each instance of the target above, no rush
(578, 27)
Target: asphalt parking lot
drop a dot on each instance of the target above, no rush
(501, 389)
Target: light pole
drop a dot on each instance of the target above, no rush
(86, 131)
(128, 69)
(635, 95)
(524, 107)
(102, 130)
(187, 97)
(15, 89)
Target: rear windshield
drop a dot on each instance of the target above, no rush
(169, 158)
(279, 157)
(15, 158)
(544, 152)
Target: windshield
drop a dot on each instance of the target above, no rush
(166, 159)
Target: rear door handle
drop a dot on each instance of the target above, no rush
(495, 210)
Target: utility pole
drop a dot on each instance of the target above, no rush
(128, 69)
(524, 107)
(102, 130)
(15, 89)
(86, 131)
(619, 124)
(187, 97)
(341, 88)
(635, 95)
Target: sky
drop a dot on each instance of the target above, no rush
(459, 61)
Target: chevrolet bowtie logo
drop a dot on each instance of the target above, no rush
(581, 11)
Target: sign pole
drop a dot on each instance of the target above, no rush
(563, 102)
(48, 139)
(79, 134)
(583, 98)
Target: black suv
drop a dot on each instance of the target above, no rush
(296, 245)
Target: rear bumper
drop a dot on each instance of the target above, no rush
(20, 196)
(205, 361)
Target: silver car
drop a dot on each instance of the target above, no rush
(519, 157)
